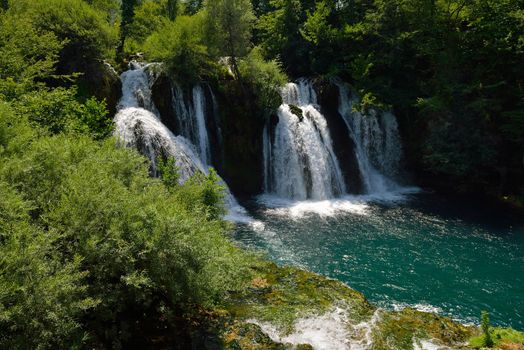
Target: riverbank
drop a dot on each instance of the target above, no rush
(290, 308)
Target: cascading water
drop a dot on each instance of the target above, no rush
(377, 144)
(141, 129)
(299, 159)
(191, 119)
(138, 125)
(136, 87)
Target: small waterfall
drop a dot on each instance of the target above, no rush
(299, 159)
(141, 129)
(377, 143)
(191, 119)
(136, 86)
(137, 124)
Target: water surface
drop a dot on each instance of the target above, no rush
(451, 256)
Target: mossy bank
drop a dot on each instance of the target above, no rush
(280, 303)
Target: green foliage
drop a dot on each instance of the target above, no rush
(266, 78)
(168, 172)
(127, 14)
(58, 110)
(27, 55)
(484, 325)
(149, 16)
(449, 69)
(513, 339)
(172, 9)
(180, 44)
(42, 297)
(101, 244)
(15, 131)
(279, 31)
(84, 30)
(229, 24)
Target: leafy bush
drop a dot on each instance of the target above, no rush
(84, 30)
(484, 324)
(42, 297)
(181, 46)
(27, 55)
(102, 249)
(266, 77)
(57, 110)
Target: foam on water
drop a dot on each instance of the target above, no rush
(333, 330)
(419, 307)
(421, 344)
(354, 204)
(323, 208)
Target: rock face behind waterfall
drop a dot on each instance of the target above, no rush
(233, 125)
(344, 146)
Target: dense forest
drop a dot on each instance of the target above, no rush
(94, 252)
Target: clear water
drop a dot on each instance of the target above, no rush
(450, 256)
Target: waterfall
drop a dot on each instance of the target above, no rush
(191, 119)
(299, 159)
(141, 129)
(138, 125)
(136, 86)
(377, 143)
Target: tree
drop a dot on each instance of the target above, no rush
(4, 4)
(172, 9)
(83, 30)
(229, 28)
(128, 13)
(279, 32)
(484, 320)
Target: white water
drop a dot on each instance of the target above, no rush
(330, 331)
(137, 124)
(141, 129)
(136, 86)
(377, 144)
(428, 345)
(302, 174)
(300, 162)
(191, 119)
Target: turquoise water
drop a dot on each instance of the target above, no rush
(450, 256)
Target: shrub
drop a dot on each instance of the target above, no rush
(42, 297)
(484, 322)
(27, 55)
(180, 45)
(105, 251)
(266, 77)
(57, 110)
(84, 30)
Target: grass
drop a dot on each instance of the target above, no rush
(503, 338)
